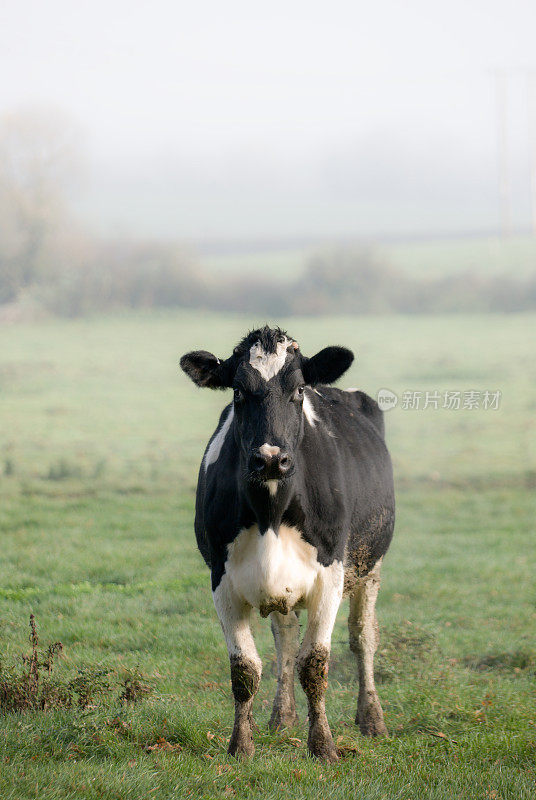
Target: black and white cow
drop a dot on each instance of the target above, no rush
(294, 508)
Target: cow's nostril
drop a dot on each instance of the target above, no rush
(270, 464)
(258, 462)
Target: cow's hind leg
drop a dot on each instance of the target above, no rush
(286, 631)
(246, 666)
(364, 639)
(313, 658)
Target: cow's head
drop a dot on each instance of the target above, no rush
(268, 374)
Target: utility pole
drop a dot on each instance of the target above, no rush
(531, 115)
(505, 205)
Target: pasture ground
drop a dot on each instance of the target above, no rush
(100, 441)
(426, 258)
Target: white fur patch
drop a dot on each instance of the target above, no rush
(234, 616)
(310, 414)
(214, 450)
(269, 450)
(268, 364)
(323, 606)
(274, 567)
(271, 485)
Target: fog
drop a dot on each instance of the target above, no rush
(237, 120)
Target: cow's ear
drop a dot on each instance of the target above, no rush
(327, 366)
(207, 370)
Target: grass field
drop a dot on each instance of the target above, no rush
(100, 440)
(479, 255)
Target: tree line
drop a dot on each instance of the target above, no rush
(46, 260)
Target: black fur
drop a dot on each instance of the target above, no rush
(328, 365)
(339, 492)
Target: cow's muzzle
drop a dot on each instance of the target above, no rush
(270, 462)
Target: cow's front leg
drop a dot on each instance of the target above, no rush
(286, 631)
(246, 666)
(313, 658)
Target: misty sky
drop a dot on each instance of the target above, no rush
(296, 118)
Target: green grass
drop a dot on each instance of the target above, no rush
(490, 255)
(480, 255)
(100, 441)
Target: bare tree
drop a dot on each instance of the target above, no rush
(39, 158)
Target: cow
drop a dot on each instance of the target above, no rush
(294, 510)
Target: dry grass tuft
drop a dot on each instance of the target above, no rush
(32, 686)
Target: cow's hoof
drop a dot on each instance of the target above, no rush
(282, 719)
(324, 751)
(370, 720)
(320, 743)
(241, 744)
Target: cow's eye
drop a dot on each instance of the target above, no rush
(298, 394)
(238, 395)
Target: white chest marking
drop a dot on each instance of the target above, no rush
(271, 485)
(269, 569)
(214, 450)
(268, 364)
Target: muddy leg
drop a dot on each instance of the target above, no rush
(246, 666)
(364, 639)
(313, 659)
(286, 631)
